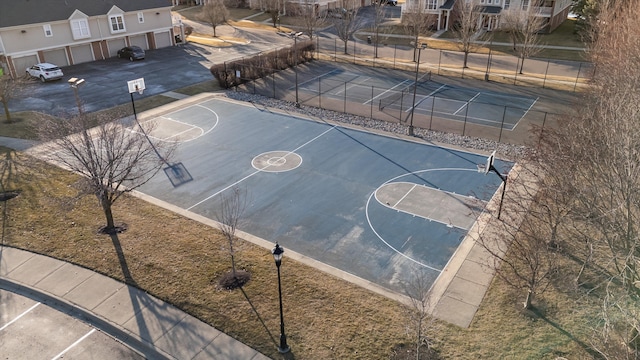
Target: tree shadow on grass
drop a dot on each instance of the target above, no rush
(540, 314)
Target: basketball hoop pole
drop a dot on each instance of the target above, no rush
(504, 185)
(139, 89)
(133, 104)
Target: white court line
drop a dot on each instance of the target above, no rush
(466, 104)
(19, 316)
(405, 195)
(313, 79)
(72, 345)
(384, 92)
(428, 96)
(260, 170)
(525, 113)
(350, 86)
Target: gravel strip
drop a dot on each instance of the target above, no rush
(508, 151)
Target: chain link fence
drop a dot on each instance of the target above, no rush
(501, 123)
(545, 73)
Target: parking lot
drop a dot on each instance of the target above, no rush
(51, 334)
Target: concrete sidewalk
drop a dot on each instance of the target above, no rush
(146, 324)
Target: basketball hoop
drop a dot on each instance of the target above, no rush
(136, 85)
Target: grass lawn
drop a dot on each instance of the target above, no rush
(179, 260)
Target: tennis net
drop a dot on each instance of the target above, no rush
(397, 95)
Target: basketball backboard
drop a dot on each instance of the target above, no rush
(136, 85)
(489, 165)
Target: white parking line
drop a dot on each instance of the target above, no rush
(19, 316)
(72, 345)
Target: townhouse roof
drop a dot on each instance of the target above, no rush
(448, 5)
(491, 9)
(23, 12)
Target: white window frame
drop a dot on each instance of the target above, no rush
(80, 29)
(47, 30)
(431, 4)
(119, 25)
(140, 17)
(507, 4)
(525, 5)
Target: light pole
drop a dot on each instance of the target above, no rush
(277, 256)
(75, 83)
(295, 67)
(415, 87)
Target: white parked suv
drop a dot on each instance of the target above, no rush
(45, 72)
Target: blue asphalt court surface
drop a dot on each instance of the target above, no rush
(374, 206)
(394, 95)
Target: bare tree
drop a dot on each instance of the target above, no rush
(469, 16)
(524, 239)
(231, 210)
(600, 167)
(420, 321)
(416, 21)
(274, 8)
(114, 158)
(523, 26)
(346, 21)
(309, 17)
(10, 89)
(379, 15)
(214, 13)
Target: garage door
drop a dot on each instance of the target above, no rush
(115, 45)
(163, 39)
(58, 57)
(139, 40)
(22, 63)
(81, 53)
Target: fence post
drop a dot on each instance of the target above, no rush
(577, 77)
(439, 61)
(542, 128)
(504, 114)
(544, 82)
(320, 92)
(395, 50)
(354, 51)
(371, 117)
(433, 104)
(515, 77)
(466, 113)
(335, 49)
(345, 98)
(401, 106)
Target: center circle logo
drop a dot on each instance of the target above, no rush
(276, 161)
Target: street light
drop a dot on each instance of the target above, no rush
(415, 87)
(277, 256)
(295, 68)
(75, 83)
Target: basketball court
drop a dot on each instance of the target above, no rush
(377, 207)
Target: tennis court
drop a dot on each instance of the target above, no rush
(374, 207)
(395, 95)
